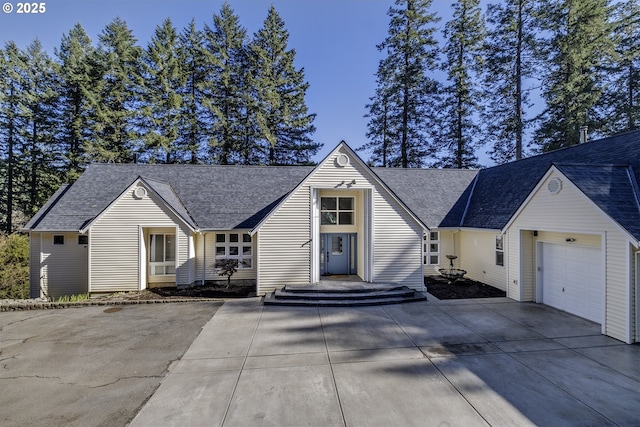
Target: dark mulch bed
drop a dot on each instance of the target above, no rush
(464, 288)
(207, 291)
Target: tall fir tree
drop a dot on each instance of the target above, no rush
(191, 131)
(162, 69)
(11, 122)
(402, 112)
(382, 129)
(285, 125)
(462, 104)
(225, 44)
(620, 103)
(579, 43)
(77, 83)
(116, 128)
(41, 163)
(510, 50)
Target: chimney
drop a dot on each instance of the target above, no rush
(583, 134)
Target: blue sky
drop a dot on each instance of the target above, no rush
(335, 42)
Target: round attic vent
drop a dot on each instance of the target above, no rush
(342, 160)
(139, 192)
(554, 185)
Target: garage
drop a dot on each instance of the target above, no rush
(572, 279)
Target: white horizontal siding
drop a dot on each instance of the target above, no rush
(285, 253)
(35, 284)
(569, 214)
(63, 267)
(477, 255)
(115, 243)
(398, 244)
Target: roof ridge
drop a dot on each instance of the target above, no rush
(634, 186)
(466, 207)
(591, 165)
(571, 147)
(189, 165)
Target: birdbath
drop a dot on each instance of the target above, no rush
(451, 274)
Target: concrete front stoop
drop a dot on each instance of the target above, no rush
(328, 296)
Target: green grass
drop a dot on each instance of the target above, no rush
(73, 298)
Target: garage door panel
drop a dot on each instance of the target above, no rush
(553, 276)
(572, 280)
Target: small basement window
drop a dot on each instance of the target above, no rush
(58, 240)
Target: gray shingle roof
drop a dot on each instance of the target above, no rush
(227, 197)
(214, 197)
(613, 188)
(501, 190)
(429, 193)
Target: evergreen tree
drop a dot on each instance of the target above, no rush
(162, 101)
(464, 36)
(223, 100)
(191, 135)
(285, 124)
(382, 128)
(402, 111)
(11, 122)
(578, 45)
(115, 130)
(620, 103)
(510, 47)
(41, 160)
(77, 83)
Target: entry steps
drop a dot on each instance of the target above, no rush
(327, 297)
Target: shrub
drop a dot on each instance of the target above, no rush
(14, 266)
(226, 267)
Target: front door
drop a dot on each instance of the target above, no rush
(338, 251)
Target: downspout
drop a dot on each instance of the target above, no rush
(505, 259)
(204, 256)
(453, 241)
(636, 301)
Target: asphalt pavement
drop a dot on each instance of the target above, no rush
(90, 366)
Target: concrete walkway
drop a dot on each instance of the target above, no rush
(460, 363)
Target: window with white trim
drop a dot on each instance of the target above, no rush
(432, 248)
(162, 254)
(500, 250)
(337, 211)
(235, 246)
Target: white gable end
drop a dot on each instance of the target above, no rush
(388, 245)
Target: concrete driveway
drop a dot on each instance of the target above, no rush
(473, 362)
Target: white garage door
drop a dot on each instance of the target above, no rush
(572, 280)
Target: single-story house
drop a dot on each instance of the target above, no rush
(561, 228)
